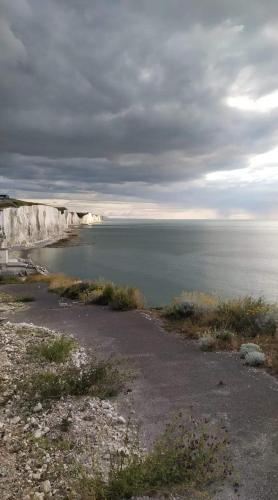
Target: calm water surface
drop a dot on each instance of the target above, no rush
(163, 258)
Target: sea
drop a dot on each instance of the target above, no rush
(165, 257)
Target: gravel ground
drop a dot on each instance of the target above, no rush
(39, 459)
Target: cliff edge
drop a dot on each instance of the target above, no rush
(30, 225)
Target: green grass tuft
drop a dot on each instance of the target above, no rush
(56, 351)
(24, 298)
(99, 379)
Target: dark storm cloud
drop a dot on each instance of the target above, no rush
(112, 96)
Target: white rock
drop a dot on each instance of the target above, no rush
(46, 486)
(36, 475)
(38, 433)
(38, 496)
(38, 407)
(121, 420)
(15, 420)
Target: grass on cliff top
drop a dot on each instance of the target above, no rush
(14, 203)
(118, 297)
(183, 458)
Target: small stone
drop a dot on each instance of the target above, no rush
(37, 408)
(37, 475)
(15, 420)
(38, 433)
(46, 486)
(121, 420)
(38, 496)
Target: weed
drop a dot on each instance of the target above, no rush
(224, 335)
(73, 291)
(207, 342)
(6, 279)
(56, 351)
(6, 298)
(125, 298)
(24, 298)
(100, 379)
(66, 424)
(181, 458)
(247, 316)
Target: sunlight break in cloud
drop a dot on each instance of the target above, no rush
(262, 105)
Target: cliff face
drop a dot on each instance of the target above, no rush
(90, 219)
(29, 225)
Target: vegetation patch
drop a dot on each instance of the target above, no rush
(54, 351)
(24, 298)
(118, 297)
(230, 323)
(247, 316)
(101, 379)
(182, 458)
(7, 279)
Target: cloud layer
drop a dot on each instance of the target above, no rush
(127, 104)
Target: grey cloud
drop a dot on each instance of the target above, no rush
(112, 96)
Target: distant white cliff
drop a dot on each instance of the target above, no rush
(35, 224)
(90, 218)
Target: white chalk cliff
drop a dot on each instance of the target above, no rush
(34, 224)
(90, 219)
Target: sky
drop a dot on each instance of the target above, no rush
(139, 108)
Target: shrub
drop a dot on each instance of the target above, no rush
(255, 358)
(107, 293)
(179, 310)
(100, 379)
(24, 298)
(207, 342)
(57, 282)
(56, 351)
(224, 335)
(191, 305)
(246, 348)
(125, 298)
(247, 316)
(74, 291)
(179, 459)
(6, 279)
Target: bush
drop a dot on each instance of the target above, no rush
(24, 298)
(120, 298)
(74, 291)
(125, 298)
(207, 342)
(179, 459)
(224, 335)
(179, 310)
(255, 358)
(6, 279)
(56, 351)
(106, 296)
(246, 348)
(191, 305)
(100, 379)
(247, 316)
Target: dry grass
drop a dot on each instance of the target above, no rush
(248, 319)
(118, 297)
